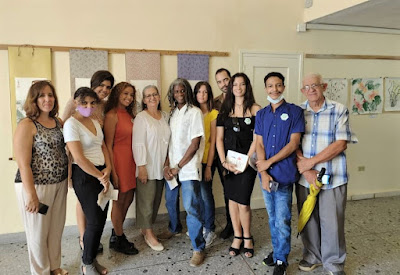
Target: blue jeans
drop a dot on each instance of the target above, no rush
(192, 203)
(279, 208)
(207, 203)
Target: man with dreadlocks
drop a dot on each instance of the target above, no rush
(183, 162)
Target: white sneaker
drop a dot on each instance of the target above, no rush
(210, 237)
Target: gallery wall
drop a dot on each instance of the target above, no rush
(226, 25)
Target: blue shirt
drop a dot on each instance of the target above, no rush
(276, 129)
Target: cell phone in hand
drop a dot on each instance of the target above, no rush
(43, 208)
(273, 185)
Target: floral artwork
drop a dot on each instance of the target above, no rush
(337, 90)
(392, 94)
(367, 95)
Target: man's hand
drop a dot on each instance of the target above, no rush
(311, 177)
(265, 181)
(263, 165)
(304, 164)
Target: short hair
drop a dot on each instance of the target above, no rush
(100, 76)
(144, 106)
(83, 92)
(317, 75)
(30, 106)
(222, 70)
(274, 74)
(228, 105)
(113, 98)
(210, 96)
(188, 93)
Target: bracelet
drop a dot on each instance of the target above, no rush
(209, 166)
(223, 163)
(179, 166)
(165, 167)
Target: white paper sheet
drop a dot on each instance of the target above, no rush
(103, 198)
(238, 159)
(172, 183)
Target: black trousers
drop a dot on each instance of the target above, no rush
(87, 189)
(220, 169)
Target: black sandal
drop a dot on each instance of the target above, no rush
(235, 250)
(249, 250)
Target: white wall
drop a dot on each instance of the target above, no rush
(225, 25)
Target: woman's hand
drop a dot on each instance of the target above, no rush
(207, 174)
(32, 203)
(167, 173)
(231, 168)
(106, 173)
(143, 174)
(115, 180)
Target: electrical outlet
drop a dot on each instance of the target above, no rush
(361, 168)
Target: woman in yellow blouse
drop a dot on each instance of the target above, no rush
(204, 99)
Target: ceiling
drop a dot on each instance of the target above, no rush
(374, 13)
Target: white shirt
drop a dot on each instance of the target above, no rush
(186, 124)
(150, 140)
(91, 144)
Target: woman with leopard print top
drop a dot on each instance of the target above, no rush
(42, 178)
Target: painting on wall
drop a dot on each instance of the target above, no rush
(392, 94)
(367, 95)
(337, 90)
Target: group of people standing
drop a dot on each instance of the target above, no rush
(108, 142)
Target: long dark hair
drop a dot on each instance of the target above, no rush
(100, 76)
(228, 106)
(210, 96)
(188, 93)
(113, 98)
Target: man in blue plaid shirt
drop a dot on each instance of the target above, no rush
(324, 142)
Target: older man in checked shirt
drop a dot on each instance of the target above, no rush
(323, 145)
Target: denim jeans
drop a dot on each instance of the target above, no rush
(279, 208)
(172, 204)
(192, 203)
(207, 203)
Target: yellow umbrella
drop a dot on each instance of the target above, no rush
(309, 204)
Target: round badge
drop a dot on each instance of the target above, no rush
(284, 116)
(247, 120)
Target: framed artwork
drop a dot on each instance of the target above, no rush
(367, 95)
(337, 90)
(392, 94)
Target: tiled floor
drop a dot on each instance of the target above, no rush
(373, 246)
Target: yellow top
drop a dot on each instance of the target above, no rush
(208, 118)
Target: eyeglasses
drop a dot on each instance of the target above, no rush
(236, 125)
(312, 86)
(151, 95)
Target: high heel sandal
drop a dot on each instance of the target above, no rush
(248, 251)
(236, 250)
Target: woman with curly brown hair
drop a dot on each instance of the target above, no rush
(42, 178)
(118, 124)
